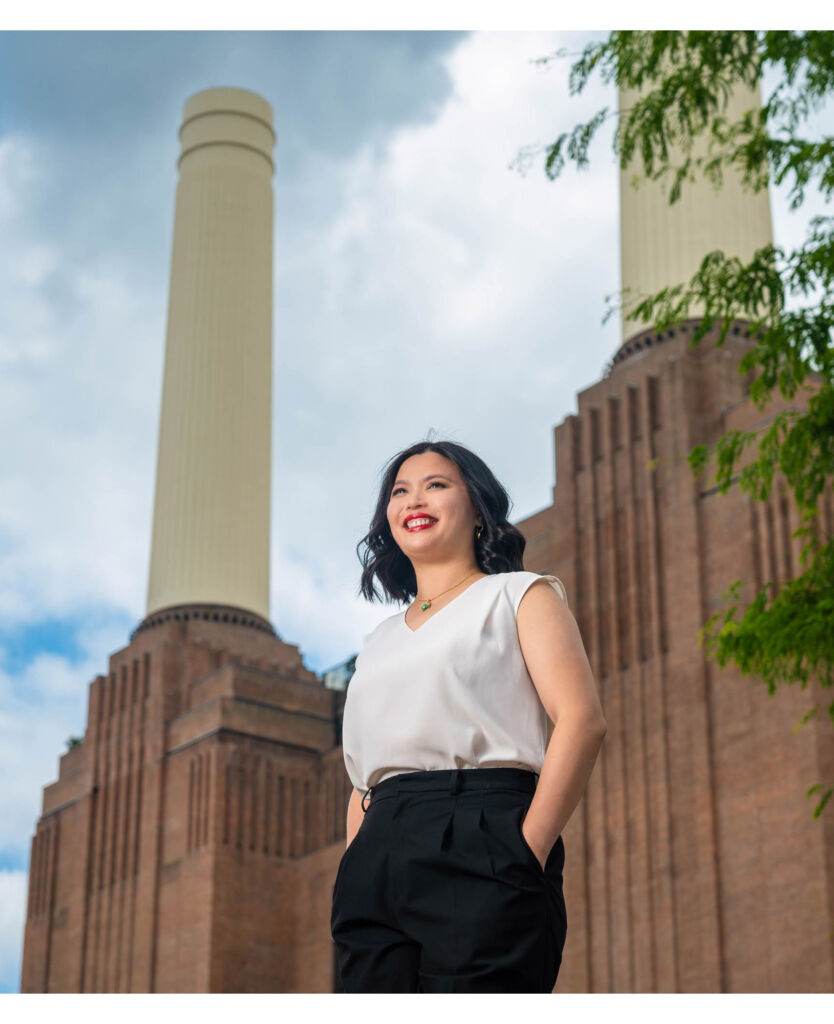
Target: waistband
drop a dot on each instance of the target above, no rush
(453, 780)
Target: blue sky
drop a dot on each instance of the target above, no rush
(420, 283)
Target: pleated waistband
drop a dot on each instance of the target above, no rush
(453, 780)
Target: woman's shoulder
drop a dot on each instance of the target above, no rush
(381, 628)
(518, 583)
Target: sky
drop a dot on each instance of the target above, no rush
(421, 283)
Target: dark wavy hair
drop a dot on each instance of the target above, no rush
(499, 548)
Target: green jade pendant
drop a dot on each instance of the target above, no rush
(424, 605)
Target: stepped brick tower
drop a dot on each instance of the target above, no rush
(191, 841)
(692, 862)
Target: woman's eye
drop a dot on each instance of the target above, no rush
(398, 489)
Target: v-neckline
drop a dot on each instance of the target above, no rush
(445, 606)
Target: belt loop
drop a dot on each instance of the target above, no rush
(455, 780)
(368, 793)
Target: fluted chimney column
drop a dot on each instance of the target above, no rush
(211, 515)
(663, 245)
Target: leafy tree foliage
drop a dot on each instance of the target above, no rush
(683, 82)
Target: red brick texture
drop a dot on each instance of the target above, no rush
(191, 841)
(693, 863)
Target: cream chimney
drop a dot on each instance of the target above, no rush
(662, 245)
(210, 540)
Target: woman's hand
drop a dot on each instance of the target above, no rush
(533, 847)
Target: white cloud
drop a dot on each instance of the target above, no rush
(453, 292)
(78, 396)
(13, 886)
(41, 706)
(17, 172)
(446, 231)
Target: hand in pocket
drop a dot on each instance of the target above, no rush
(541, 862)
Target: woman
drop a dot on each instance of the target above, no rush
(451, 880)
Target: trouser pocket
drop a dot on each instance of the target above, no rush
(510, 853)
(534, 860)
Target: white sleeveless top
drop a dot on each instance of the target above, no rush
(454, 693)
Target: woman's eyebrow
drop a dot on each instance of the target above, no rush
(431, 476)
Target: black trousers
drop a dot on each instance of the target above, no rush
(439, 891)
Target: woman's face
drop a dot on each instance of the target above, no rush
(431, 485)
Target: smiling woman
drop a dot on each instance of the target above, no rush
(455, 488)
(453, 881)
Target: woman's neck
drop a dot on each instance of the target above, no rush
(434, 581)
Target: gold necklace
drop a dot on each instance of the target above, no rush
(427, 604)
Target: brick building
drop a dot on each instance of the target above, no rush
(693, 863)
(191, 841)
